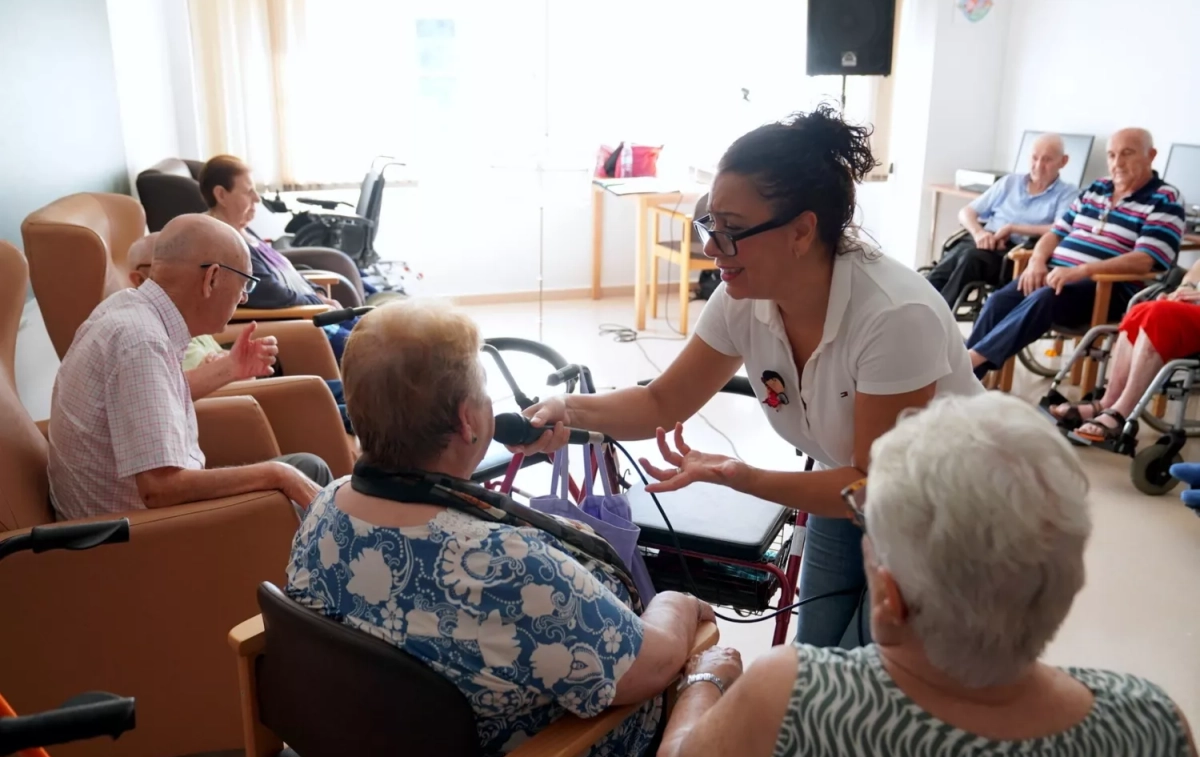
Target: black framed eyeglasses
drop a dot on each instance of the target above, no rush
(727, 241)
(855, 497)
(251, 281)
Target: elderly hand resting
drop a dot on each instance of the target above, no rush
(691, 466)
(1184, 294)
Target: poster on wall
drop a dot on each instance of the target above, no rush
(974, 10)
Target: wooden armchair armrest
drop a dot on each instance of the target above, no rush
(1022, 254)
(280, 314)
(324, 279)
(571, 735)
(247, 638)
(1117, 278)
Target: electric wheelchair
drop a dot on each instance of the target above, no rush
(352, 233)
(1163, 407)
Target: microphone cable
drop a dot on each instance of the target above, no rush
(861, 591)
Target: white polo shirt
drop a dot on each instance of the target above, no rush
(887, 331)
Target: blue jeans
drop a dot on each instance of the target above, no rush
(337, 335)
(1010, 321)
(832, 561)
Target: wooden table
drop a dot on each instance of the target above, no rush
(645, 192)
(938, 190)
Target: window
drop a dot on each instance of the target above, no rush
(309, 92)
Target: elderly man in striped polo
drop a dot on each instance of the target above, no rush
(1129, 223)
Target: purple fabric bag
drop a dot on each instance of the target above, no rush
(609, 515)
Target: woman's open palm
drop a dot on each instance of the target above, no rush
(691, 466)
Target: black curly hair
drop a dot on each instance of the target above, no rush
(808, 161)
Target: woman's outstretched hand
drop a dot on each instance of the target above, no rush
(550, 414)
(690, 466)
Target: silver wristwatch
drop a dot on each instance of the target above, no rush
(697, 678)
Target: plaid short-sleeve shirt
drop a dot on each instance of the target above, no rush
(121, 405)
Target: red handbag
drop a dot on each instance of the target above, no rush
(627, 161)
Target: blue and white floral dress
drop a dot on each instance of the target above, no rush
(509, 615)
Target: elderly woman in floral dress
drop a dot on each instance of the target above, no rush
(527, 616)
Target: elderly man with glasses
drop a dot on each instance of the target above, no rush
(123, 432)
(205, 362)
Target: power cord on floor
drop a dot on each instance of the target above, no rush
(623, 334)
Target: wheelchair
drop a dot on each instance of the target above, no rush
(969, 304)
(1047, 360)
(352, 233)
(88, 715)
(1172, 388)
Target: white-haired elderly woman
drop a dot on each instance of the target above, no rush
(974, 540)
(528, 616)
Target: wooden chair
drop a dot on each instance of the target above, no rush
(327, 689)
(1084, 372)
(685, 252)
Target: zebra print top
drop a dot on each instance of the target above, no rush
(844, 702)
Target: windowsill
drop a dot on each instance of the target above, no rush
(320, 187)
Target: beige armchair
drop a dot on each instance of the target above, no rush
(145, 619)
(78, 249)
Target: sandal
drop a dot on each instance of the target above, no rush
(1072, 419)
(1109, 435)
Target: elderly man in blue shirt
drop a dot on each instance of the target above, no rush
(1012, 210)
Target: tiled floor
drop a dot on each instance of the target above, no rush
(1140, 611)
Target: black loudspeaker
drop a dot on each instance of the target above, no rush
(850, 37)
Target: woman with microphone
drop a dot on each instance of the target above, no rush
(837, 338)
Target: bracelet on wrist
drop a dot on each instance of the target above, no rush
(695, 678)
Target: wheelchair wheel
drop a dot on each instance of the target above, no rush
(1151, 470)
(1044, 358)
(1164, 425)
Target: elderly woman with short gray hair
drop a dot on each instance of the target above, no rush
(974, 541)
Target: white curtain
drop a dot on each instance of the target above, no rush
(309, 91)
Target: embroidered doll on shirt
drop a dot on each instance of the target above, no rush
(775, 390)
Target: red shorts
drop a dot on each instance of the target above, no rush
(1172, 327)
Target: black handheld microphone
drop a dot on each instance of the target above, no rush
(515, 430)
(330, 317)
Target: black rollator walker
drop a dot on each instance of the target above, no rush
(86, 716)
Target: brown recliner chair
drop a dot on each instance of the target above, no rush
(146, 619)
(77, 248)
(171, 187)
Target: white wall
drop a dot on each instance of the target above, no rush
(1148, 78)
(151, 54)
(1054, 45)
(498, 229)
(948, 73)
